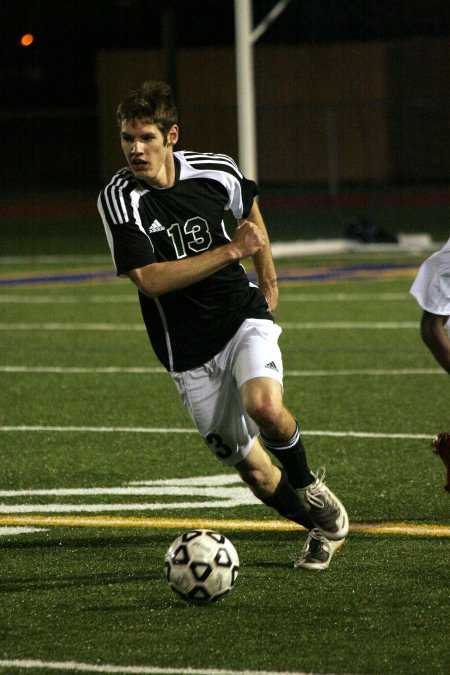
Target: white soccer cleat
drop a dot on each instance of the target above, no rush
(324, 508)
(317, 551)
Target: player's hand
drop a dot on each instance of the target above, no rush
(247, 239)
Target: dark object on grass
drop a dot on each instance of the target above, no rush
(441, 446)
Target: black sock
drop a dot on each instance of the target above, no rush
(292, 456)
(286, 502)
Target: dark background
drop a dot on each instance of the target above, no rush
(58, 69)
(49, 104)
(49, 90)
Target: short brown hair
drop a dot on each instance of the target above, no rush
(153, 100)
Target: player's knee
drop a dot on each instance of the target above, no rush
(265, 413)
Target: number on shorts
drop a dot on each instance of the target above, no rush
(219, 448)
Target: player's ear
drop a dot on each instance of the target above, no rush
(172, 136)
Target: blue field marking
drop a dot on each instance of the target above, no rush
(352, 271)
(344, 272)
(75, 277)
(328, 273)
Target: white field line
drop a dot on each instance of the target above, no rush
(8, 531)
(142, 490)
(225, 497)
(364, 371)
(349, 325)
(131, 327)
(284, 297)
(126, 430)
(82, 370)
(66, 666)
(45, 259)
(139, 370)
(166, 430)
(343, 297)
(122, 506)
(73, 326)
(66, 299)
(225, 489)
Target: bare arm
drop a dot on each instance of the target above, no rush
(434, 335)
(263, 261)
(160, 278)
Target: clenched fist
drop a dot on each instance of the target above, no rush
(247, 239)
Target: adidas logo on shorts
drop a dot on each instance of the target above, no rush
(271, 366)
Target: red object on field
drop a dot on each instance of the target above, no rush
(441, 446)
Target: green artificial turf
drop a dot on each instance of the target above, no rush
(96, 593)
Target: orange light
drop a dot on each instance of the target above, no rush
(27, 40)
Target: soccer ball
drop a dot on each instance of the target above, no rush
(201, 566)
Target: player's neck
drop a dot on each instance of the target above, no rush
(165, 177)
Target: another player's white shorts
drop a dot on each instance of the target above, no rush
(211, 393)
(431, 287)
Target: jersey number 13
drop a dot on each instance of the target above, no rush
(194, 235)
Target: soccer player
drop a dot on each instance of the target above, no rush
(431, 288)
(208, 324)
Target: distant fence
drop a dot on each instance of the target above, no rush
(329, 116)
(49, 147)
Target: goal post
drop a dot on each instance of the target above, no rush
(245, 38)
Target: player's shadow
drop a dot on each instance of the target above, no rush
(269, 564)
(85, 580)
(85, 542)
(13, 585)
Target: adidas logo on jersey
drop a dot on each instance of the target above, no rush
(271, 366)
(156, 227)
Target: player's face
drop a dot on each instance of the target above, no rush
(148, 153)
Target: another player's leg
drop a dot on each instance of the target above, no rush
(441, 446)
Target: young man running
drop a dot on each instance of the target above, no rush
(208, 324)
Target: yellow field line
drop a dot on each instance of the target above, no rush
(187, 523)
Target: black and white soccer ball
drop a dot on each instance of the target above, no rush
(201, 566)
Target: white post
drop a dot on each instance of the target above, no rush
(245, 89)
(333, 168)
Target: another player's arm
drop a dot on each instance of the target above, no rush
(159, 278)
(434, 335)
(263, 261)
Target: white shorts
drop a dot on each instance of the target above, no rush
(431, 287)
(211, 393)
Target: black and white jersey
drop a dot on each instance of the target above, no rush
(144, 225)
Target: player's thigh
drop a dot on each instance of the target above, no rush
(256, 352)
(215, 405)
(201, 392)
